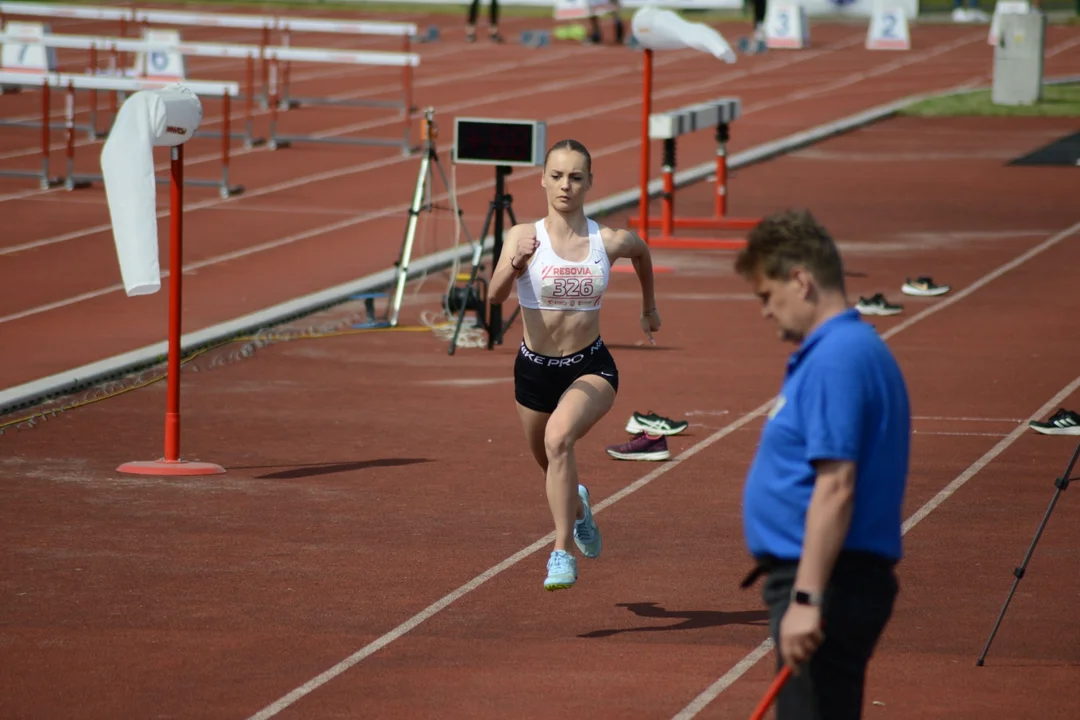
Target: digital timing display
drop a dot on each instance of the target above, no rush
(497, 142)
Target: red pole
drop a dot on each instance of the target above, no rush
(69, 122)
(171, 464)
(771, 693)
(667, 222)
(721, 170)
(176, 272)
(250, 101)
(407, 83)
(46, 106)
(646, 110)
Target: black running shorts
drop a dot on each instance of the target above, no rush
(540, 381)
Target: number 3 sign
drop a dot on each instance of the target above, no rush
(786, 26)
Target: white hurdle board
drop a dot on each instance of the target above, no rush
(177, 17)
(217, 50)
(72, 82)
(709, 114)
(120, 84)
(22, 50)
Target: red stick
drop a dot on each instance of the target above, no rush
(771, 693)
(646, 110)
(176, 272)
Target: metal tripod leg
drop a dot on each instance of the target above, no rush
(478, 252)
(510, 320)
(1061, 483)
(410, 235)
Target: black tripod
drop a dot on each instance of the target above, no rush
(1061, 483)
(493, 322)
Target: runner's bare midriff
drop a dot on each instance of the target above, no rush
(557, 333)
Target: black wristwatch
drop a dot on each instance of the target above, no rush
(802, 597)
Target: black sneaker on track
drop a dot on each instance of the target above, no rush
(1063, 422)
(877, 305)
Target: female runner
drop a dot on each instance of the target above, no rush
(565, 379)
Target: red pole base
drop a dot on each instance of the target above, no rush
(702, 223)
(170, 467)
(670, 243)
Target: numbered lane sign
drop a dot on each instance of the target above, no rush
(786, 26)
(163, 64)
(888, 29)
(27, 56)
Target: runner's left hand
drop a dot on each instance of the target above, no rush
(650, 323)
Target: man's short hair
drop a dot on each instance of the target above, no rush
(787, 239)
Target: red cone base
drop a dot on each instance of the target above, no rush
(170, 467)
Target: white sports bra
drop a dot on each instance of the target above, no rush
(553, 283)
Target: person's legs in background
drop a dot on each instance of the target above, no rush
(493, 21)
(596, 37)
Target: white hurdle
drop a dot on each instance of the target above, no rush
(113, 46)
(272, 55)
(668, 126)
(73, 82)
(265, 24)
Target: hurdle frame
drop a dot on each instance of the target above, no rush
(407, 61)
(663, 126)
(113, 46)
(285, 25)
(71, 83)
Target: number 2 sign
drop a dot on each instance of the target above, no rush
(888, 29)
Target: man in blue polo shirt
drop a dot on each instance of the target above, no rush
(823, 498)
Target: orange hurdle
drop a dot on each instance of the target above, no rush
(719, 113)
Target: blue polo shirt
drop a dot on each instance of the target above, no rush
(843, 398)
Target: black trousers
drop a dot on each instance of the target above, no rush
(858, 604)
(493, 12)
(759, 11)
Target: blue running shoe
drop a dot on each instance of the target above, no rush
(586, 533)
(562, 571)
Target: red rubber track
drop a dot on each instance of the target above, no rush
(348, 508)
(315, 216)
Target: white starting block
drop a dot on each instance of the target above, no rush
(786, 26)
(888, 28)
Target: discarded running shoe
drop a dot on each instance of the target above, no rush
(642, 447)
(923, 287)
(656, 424)
(877, 305)
(1063, 422)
